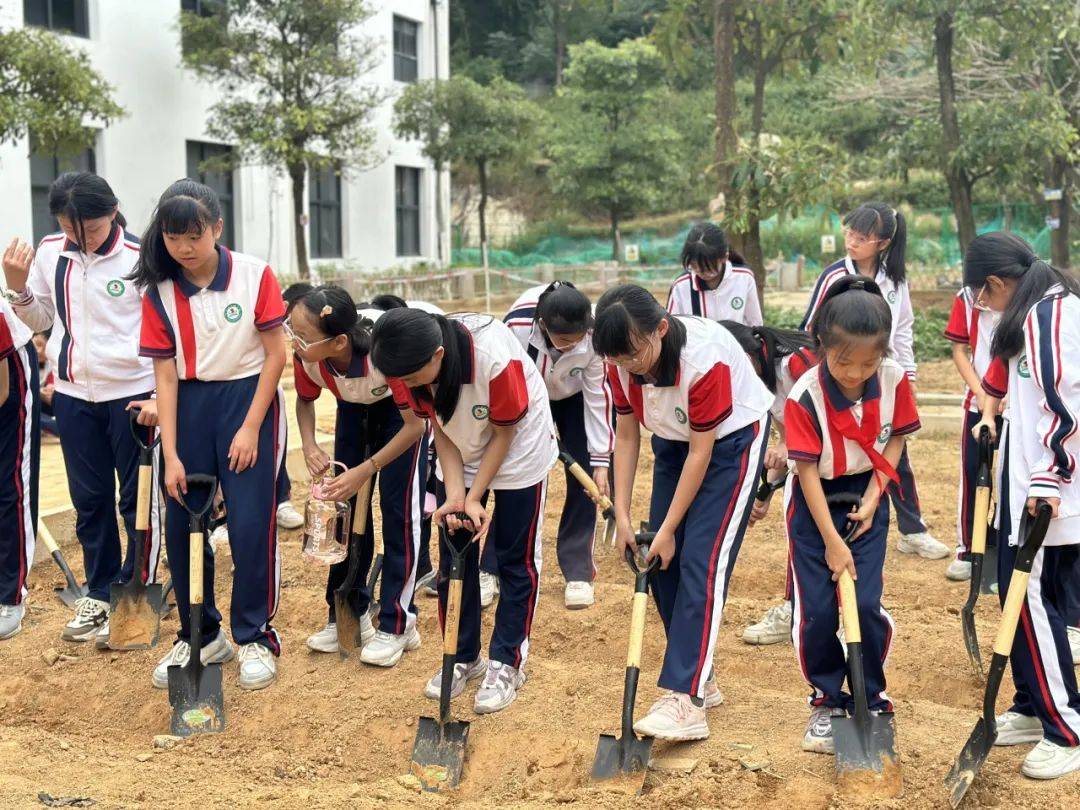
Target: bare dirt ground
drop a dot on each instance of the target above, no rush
(331, 733)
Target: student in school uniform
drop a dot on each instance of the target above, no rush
(554, 325)
(875, 237)
(46, 383)
(77, 284)
(716, 283)
(212, 324)
(688, 381)
(971, 331)
(1034, 350)
(780, 357)
(494, 436)
(331, 342)
(846, 421)
(20, 449)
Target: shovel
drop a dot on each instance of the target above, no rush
(978, 551)
(134, 606)
(766, 488)
(73, 591)
(583, 478)
(988, 583)
(866, 743)
(629, 754)
(195, 688)
(439, 751)
(982, 738)
(376, 561)
(348, 619)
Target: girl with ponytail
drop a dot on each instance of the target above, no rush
(331, 344)
(716, 282)
(1034, 359)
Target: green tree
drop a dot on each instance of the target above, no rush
(291, 71)
(460, 122)
(51, 91)
(612, 150)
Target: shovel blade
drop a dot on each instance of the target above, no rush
(134, 616)
(197, 700)
(439, 753)
(970, 760)
(622, 757)
(70, 594)
(866, 760)
(971, 642)
(989, 573)
(348, 625)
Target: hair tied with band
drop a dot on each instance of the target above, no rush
(326, 310)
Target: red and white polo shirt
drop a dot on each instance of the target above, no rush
(734, 299)
(788, 371)
(213, 332)
(715, 388)
(501, 386)
(14, 334)
(361, 382)
(975, 327)
(817, 411)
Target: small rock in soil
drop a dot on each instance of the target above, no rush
(165, 742)
(409, 782)
(65, 745)
(144, 757)
(50, 656)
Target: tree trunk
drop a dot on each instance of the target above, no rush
(298, 177)
(724, 78)
(481, 170)
(1061, 209)
(751, 237)
(558, 25)
(956, 174)
(751, 250)
(616, 239)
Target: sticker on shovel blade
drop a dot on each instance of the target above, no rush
(199, 718)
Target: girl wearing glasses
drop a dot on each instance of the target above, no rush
(211, 322)
(687, 380)
(489, 407)
(554, 326)
(331, 342)
(1034, 351)
(716, 283)
(875, 237)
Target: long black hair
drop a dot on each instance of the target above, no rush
(387, 302)
(294, 292)
(186, 206)
(707, 246)
(1007, 256)
(883, 222)
(334, 310)
(564, 309)
(83, 195)
(768, 345)
(628, 311)
(852, 307)
(404, 340)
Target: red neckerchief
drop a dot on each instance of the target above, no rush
(864, 435)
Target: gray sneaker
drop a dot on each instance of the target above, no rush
(90, 614)
(818, 738)
(463, 673)
(499, 689)
(218, 651)
(11, 620)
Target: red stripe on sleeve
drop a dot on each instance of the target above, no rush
(508, 395)
(956, 329)
(306, 388)
(996, 380)
(7, 345)
(803, 441)
(154, 337)
(905, 417)
(622, 405)
(269, 306)
(186, 327)
(710, 399)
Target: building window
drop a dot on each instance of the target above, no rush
(324, 211)
(405, 42)
(204, 8)
(45, 167)
(220, 181)
(408, 211)
(65, 16)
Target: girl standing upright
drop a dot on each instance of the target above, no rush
(716, 283)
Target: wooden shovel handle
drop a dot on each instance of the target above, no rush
(142, 504)
(637, 630)
(588, 485)
(360, 511)
(1010, 614)
(195, 563)
(979, 520)
(849, 609)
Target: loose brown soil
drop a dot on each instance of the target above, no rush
(331, 733)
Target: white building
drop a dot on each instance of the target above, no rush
(382, 217)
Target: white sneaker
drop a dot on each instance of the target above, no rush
(11, 620)
(324, 641)
(218, 651)
(489, 588)
(774, 627)
(578, 595)
(90, 614)
(1048, 760)
(1017, 729)
(713, 696)
(463, 673)
(959, 571)
(386, 649)
(219, 538)
(258, 666)
(288, 517)
(101, 639)
(818, 738)
(1073, 634)
(923, 544)
(674, 717)
(499, 689)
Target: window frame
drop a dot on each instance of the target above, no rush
(208, 149)
(88, 159)
(320, 206)
(81, 12)
(405, 212)
(401, 57)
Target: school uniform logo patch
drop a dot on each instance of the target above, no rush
(737, 303)
(891, 297)
(886, 432)
(378, 391)
(1022, 367)
(577, 371)
(680, 415)
(115, 288)
(233, 313)
(480, 412)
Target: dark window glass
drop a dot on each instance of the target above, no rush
(324, 213)
(204, 8)
(406, 37)
(408, 211)
(65, 16)
(221, 182)
(44, 169)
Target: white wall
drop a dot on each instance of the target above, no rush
(134, 44)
